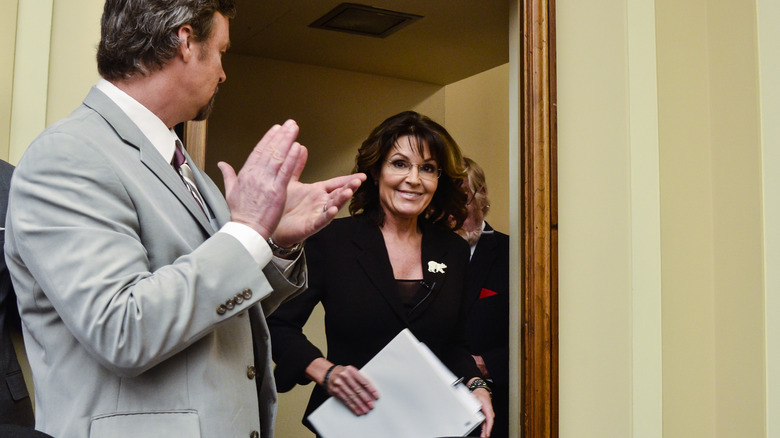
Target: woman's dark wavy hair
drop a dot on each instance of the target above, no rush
(140, 36)
(449, 200)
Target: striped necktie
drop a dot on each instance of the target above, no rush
(185, 172)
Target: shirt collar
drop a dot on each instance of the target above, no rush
(162, 138)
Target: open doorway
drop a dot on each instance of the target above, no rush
(337, 90)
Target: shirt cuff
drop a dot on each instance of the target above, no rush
(257, 246)
(251, 240)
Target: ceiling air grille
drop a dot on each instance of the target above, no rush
(364, 20)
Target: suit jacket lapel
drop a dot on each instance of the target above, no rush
(148, 155)
(376, 265)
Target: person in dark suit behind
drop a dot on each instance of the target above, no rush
(376, 274)
(488, 295)
(15, 404)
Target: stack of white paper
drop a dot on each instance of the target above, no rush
(418, 397)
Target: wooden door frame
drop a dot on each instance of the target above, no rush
(538, 203)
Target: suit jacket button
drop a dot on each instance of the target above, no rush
(221, 309)
(247, 293)
(238, 299)
(251, 372)
(254, 434)
(230, 304)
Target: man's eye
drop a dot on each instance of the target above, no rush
(428, 168)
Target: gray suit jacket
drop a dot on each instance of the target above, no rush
(119, 276)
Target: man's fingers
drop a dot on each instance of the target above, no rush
(273, 149)
(228, 175)
(288, 166)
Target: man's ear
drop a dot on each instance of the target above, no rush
(186, 41)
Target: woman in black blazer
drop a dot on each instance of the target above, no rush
(394, 264)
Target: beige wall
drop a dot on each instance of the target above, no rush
(768, 12)
(687, 207)
(477, 116)
(594, 220)
(709, 205)
(7, 51)
(714, 369)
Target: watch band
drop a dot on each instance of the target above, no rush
(284, 252)
(479, 383)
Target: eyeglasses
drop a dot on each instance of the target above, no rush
(427, 171)
(472, 195)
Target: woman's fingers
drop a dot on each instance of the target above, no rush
(352, 388)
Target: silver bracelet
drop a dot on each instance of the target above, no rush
(327, 377)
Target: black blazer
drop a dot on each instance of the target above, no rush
(488, 317)
(350, 273)
(488, 303)
(12, 386)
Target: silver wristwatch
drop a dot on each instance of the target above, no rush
(284, 252)
(479, 383)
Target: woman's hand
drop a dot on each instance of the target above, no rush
(487, 409)
(345, 383)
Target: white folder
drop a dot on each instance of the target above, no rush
(418, 397)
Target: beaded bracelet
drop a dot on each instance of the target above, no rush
(327, 377)
(479, 383)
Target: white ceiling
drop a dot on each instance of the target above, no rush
(455, 39)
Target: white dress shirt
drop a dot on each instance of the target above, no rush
(164, 140)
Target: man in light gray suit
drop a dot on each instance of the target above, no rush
(142, 291)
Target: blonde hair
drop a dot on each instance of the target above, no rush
(476, 178)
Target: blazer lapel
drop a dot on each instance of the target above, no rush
(484, 257)
(434, 265)
(149, 156)
(376, 265)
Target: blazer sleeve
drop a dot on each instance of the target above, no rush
(77, 243)
(291, 350)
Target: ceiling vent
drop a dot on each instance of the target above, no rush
(364, 20)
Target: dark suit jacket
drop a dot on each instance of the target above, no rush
(12, 387)
(350, 273)
(488, 316)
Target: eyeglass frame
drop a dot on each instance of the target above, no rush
(472, 195)
(419, 169)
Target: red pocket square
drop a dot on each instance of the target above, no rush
(486, 293)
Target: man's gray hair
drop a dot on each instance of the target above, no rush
(141, 36)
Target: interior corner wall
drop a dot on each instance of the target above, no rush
(768, 13)
(687, 220)
(737, 212)
(477, 116)
(713, 339)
